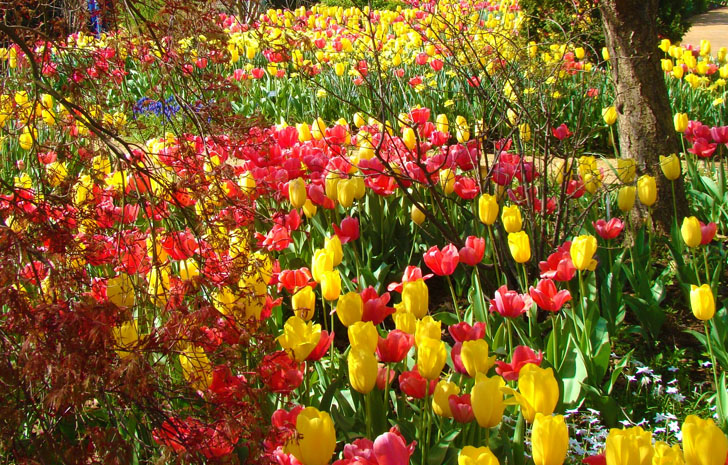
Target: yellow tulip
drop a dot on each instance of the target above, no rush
(631, 446)
(126, 337)
(474, 355)
(431, 357)
(316, 439)
(309, 208)
(120, 291)
(681, 122)
(303, 302)
(704, 47)
(486, 398)
(462, 130)
(331, 285)
(441, 123)
(304, 132)
(477, 456)
(409, 138)
(404, 321)
(362, 370)
(363, 335)
(690, 231)
(538, 391)
(702, 302)
(511, 218)
(350, 308)
(416, 215)
(666, 455)
(297, 192)
(670, 166)
(549, 440)
(427, 328)
(609, 115)
(323, 261)
(299, 337)
(524, 132)
(488, 209)
(582, 252)
(441, 398)
(196, 367)
(647, 190)
(520, 246)
(447, 180)
(346, 192)
(416, 297)
(332, 245)
(626, 170)
(703, 442)
(625, 198)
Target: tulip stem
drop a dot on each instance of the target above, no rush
(694, 260)
(494, 255)
(386, 390)
(484, 315)
(525, 278)
(718, 401)
(454, 298)
(368, 401)
(674, 201)
(707, 271)
(583, 303)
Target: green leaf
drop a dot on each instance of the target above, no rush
(573, 373)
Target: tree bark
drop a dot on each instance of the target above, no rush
(645, 120)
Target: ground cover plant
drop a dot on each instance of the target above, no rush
(349, 235)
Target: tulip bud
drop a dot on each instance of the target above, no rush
(681, 121)
(582, 251)
(487, 209)
(520, 246)
(339, 68)
(487, 400)
(332, 245)
(722, 54)
(196, 367)
(462, 130)
(415, 297)
(666, 64)
(670, 167)
(441, 398)
(359, 120)
(126, 337)
(416, 215)
(703, 442)
(625, 198)
(323, 261)
(362, 370)
(331, 185)
(447, 180)
(691, 232)
(350, 308)
(405, 321)
(346, 192)
(427, 327)
(474, 355)
(297, 192)
(632, 446)
(524, 131)
(316, 439)
(702, 302)
(704, 47)
(304, 303)
(409, 138)
(605, 53)
(441, 123)
(120, 291)
(477, 456)
(511, 218)
(363, 335)
(647, 190)
(309, 208)
(579, 52)
(609, 115)
(318, 128)
(538, 391)
(549, 440)
(304, 132)
(431, 357)
(331, 285)
(626, 170)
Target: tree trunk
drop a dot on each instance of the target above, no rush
(646, 128)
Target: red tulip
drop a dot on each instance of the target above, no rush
(349, 230)
(608, 229)
(473, 251)
(510, 304)
(558, 266)
(413, 384)
(391, 449)
(707, 232)
(561, 132)
(719, 134)
(411, 273)
(420, 115)
(322, 347)
(375, 306)
(599, 459)
(280, 373)
(462, 332)
(225, 386)
(294, 279)
(382, 374)
(522, 355)
(466, 188)
(461, 408)
(547, 297)
(457, 362)
(394, 347)
(442, 263)
(702, 148)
